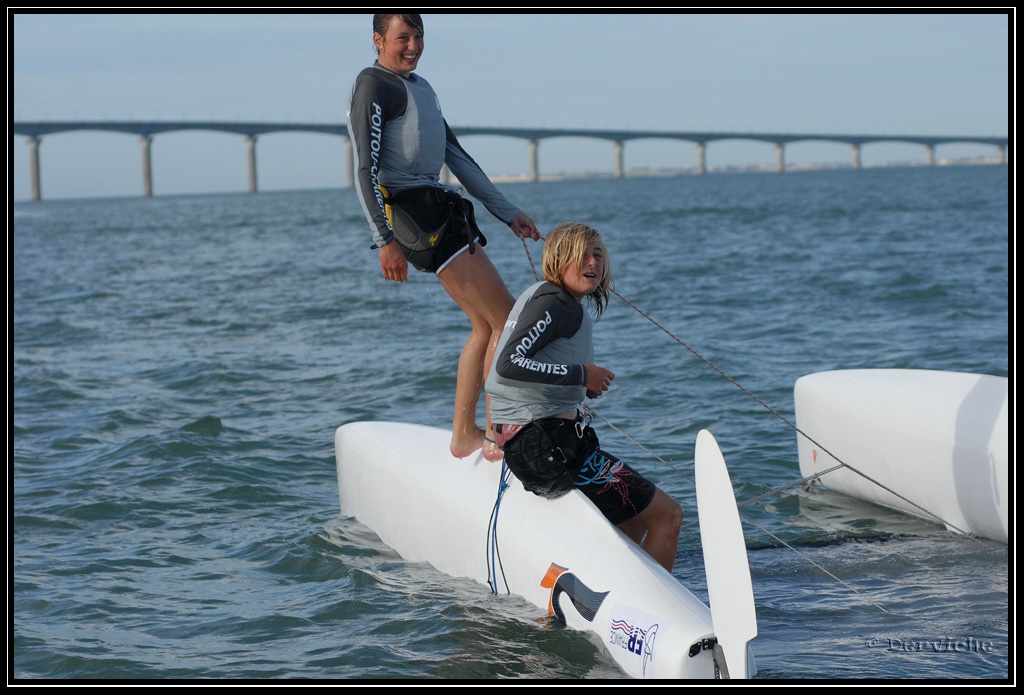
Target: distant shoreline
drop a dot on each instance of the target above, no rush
(607, 175)
(751, 168)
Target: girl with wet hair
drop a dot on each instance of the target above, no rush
(544, 368)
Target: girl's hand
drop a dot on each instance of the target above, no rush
(393, 264)
(599, 380)
(524, 228)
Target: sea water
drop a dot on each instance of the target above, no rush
(180, 365)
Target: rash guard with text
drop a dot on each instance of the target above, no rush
(539, 366)
(400, 140)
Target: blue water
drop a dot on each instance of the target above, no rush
(181, 364)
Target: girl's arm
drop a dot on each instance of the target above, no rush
(544, 319)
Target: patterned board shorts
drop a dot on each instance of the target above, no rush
(616, 489)
(553, 455)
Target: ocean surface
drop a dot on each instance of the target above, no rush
(180, 365)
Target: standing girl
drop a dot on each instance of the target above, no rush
(401, 140)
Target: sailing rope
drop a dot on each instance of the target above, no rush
(769, 493)
(492, 553)
(805, 481)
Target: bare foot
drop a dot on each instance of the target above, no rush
(464, 445)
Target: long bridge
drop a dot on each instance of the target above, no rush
(34, 131)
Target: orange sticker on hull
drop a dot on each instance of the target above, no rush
(548, 582)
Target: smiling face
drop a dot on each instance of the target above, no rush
(400, 47)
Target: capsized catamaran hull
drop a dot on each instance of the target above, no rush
(401, 481)
(936, 439)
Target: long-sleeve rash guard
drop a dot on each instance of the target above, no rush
(539, 366)
(400, 140)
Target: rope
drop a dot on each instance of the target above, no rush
(494, 561)
(530, 258)
(842, 464)
(593, 412)
(769, 533)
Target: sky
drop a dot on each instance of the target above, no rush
(885, 74)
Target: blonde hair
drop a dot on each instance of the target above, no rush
(564, 247)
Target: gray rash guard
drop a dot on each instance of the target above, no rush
(539, 366)
(401, 140)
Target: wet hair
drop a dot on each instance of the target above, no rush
(382, 22)
(564, 247)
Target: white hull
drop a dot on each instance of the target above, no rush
(937, 439)
(400, 480)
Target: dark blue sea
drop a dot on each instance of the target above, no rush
(180, 365)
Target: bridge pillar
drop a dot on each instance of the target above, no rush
(531, 147)
(33, 167)
(250, 151)
(929, 153)
(780, 158)
(1002, 154)
(147, 166)
(446, 174)
(617, 148)
(701, 164)
(856, 156)
(349, 165)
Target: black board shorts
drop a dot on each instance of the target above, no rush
(433, 225)
(435, 258)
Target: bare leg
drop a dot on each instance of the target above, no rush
(660, 522)
(475, 285)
